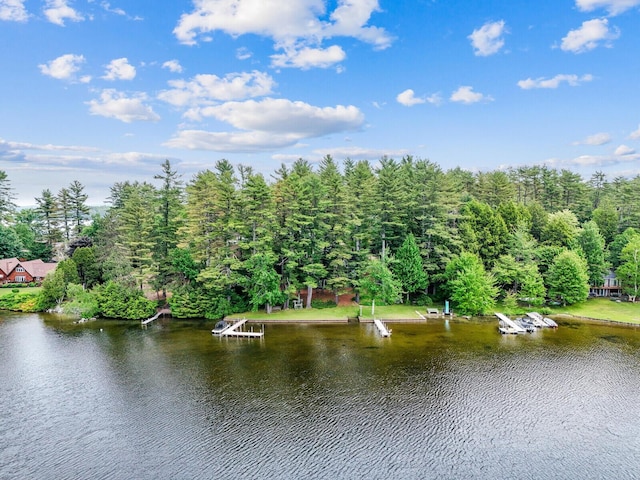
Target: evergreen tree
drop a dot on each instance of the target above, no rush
(10, 243)
(568, 278)
(408, 267)
(471, 289)
(48, 211)
(78, 206)
(7, 206)
(64, 212)
(592, 244)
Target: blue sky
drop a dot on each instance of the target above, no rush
(102, 92)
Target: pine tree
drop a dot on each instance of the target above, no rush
(408, 268)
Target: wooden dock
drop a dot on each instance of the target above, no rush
(510, 325)
(156, 316)
(233, 330)
(382, 328)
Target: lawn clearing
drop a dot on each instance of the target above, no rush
(8, 291)
(603, 309)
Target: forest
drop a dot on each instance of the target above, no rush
(229, 240)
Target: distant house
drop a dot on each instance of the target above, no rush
(610, 287)
(14, 270)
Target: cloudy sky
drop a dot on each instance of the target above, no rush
(105, 91)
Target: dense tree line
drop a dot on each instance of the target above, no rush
(229, 239)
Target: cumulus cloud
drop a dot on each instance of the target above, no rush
(13, 11)
(268, 124)
(596, 139)
(58, 11)
(554, 82)
(205, 89)
(488, 39)
(307, 57)
(120, 69)
(114, 104)
(408, 98)
(465, 94)
(636, 134)
(624, 150)
(173, 66)
(64, 67)
(614, 7)
(302, 25)
(589, 36)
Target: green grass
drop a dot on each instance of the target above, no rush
(597, 308)
(390, 312)
(602, 309)
(7, 291)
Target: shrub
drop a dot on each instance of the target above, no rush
(323, 304)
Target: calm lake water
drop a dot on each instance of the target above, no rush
(438, 400)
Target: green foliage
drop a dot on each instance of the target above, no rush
(10, 243)
(561, 229)
(378, 283)
(20, 302)
(82, 303)
(408, 267)
(592, 244)
(471, 289)
(263, 282)
(116, 300)
(323, 304)
(568, 278)
(629, 270)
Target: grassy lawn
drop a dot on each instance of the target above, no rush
(390, 312)
(603, 309)
(7, 291)
(596, 308)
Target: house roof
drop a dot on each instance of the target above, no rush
(35, 268)
(8, 264)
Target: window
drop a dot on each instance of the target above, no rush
(20, 278)
(19, 269)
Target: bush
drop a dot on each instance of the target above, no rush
(322, 304)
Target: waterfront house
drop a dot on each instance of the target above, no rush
(610, 287)
(14, 270)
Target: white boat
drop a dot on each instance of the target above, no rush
(537, 320)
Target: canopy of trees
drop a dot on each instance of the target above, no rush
(230, 239)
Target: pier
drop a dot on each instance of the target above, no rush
(382, 328)
(233, 330)
(156, 316)
(508, 325)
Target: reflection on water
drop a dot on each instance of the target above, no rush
(438, 400)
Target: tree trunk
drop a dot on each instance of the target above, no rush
(309, 295)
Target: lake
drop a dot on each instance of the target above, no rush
(446, 399)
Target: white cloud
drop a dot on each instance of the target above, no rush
(120, 69)
(624, 150)
(361, 153)
(298, 26)
(635, 135)
(589, 36)
(243, 53)
(205, 89)
(117, 11)
(173, 66)
(268, 124)
(307, 57)
(113, 104)
(408, 98)
(465, 94)
(64, 67)
(596, 139)
(488, 39)
(614, 7)
(58, 11)
(13, 11)
(554, 82)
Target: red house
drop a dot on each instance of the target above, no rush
(13, 270)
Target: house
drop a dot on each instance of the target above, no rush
(610, 287)
(14, 270)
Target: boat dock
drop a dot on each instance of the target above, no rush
(233, 330)
(156, 316)
(382, 328)
(541, 321)
(508, 325)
